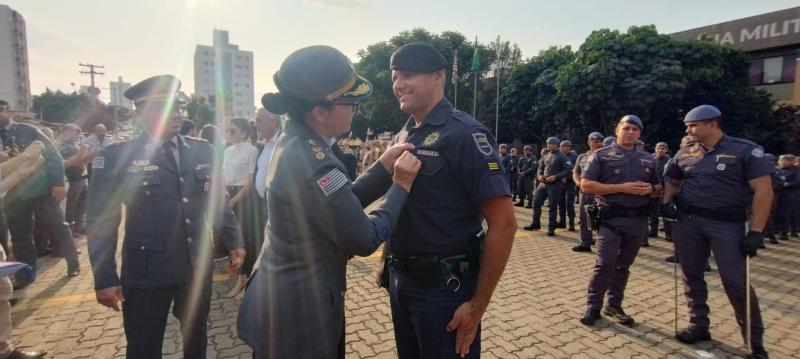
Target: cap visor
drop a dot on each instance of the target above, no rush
(360, 90)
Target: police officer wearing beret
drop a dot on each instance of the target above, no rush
(787, 201)
(595, 141)
(507, 161)
(566, 206)
(293, 306)
(608, 141)
(716, 182)
(662, 158)
(42, 194)
(553, 168)
(442, 268)
(621, 177)
(165, 182)
(512, 173)
(526, 168)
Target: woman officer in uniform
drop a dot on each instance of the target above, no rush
(294, 304)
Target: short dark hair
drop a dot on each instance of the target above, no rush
(186, 127)
(3, 103)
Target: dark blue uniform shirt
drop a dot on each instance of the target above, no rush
(718, 178)
(460, 170)
(614, 165)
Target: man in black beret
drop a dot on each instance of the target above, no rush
(442, 267)
(164, 179)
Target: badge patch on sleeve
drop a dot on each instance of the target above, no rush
(332, 182)
(98, 162)
(757, 152)
(494, 166)
(483, 143)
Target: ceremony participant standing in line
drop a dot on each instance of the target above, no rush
(553, 168)
(164, 180)
(293, 306)
(526, 170)
(621, 177)
(582, 164)
(566, 206)
(719, 183)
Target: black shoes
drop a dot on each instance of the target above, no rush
(580, 248)
(671, 259)
(18, 354)
(571, 227)
(551, 232)
(518, 204)
(591, 316)
(73, 270)
(652, 234)
(529, 206)
(619, 315)
(693, 334)
(561, 224)
(532, 227)
(758, 353)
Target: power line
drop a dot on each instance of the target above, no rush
(92, 73)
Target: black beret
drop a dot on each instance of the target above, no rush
(417, 57)
(161, 87)
(317, 74)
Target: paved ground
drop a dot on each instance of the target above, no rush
(533, 314)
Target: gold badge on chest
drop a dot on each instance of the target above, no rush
(431, 138)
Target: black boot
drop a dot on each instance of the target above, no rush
(551, 232)
(693, 334)
(591, 316)
(671, 259)
(571, 226)
(561, 224)
(758, 353)
(619, 315)
(529, 205)
(519, 204)
(532, 227)
(580, 248)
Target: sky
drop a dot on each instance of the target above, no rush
(136, 39)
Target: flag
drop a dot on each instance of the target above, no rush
(475, 57)
(455, 67)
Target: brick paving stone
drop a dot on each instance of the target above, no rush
(533, 314)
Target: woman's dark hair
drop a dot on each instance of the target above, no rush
(209, 133)
(297, 109)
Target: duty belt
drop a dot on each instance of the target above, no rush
(427, 270)
(615, 211)
(718, 214)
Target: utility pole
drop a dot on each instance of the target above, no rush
(92, 73)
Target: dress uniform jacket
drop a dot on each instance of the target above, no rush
(293, 306)
(167, 232)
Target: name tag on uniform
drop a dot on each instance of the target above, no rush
(428, 153)
(98, 162)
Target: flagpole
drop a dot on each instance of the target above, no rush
(455, 78)
(497, 99)
(475, 86)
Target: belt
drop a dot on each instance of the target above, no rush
(428, 269)
(614, 211)
(718, 214)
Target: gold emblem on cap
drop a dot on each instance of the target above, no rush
(362, 89)
(431, 138)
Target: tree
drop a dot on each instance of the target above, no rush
(199, 111)
(56, 106)
(381, 111)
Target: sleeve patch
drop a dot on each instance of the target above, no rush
(757, 152)
(98, 162)
(482, 142)
(494, 166)
(332, 182)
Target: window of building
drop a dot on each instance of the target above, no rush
(773, 70)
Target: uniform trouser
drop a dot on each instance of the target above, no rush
(585, 232)
(512, 183)
(6, 327)
(617, 246)
(566, 207)
(145, 312)
(655, 211)
(76, 202)
(552, 193)
(794, 217)
(525, 189)
(20, 222)
(420, 316)
(783, 213)
(697, 238)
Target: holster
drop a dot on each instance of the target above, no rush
(427, 270)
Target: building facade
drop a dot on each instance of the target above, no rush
(772, 44)
(15, 84)
(223, 74)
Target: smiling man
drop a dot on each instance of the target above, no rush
(443, 269)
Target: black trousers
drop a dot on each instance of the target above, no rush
(49, 214)
(145, 311)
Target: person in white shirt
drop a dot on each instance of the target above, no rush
(238, 167)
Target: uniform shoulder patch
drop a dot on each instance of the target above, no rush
(332, 181)
(493, 166)
(757, 152)
(482, 142)
(99, 162)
